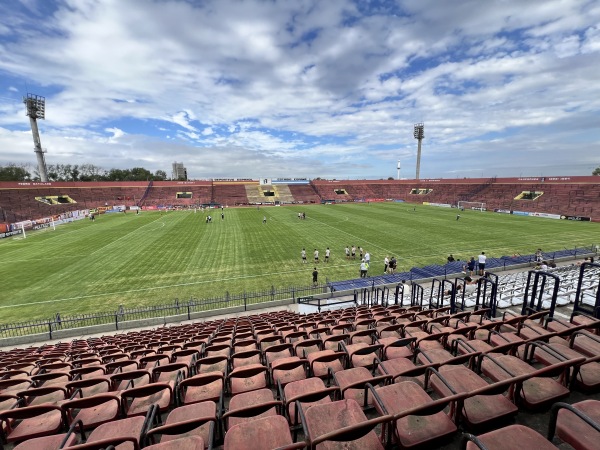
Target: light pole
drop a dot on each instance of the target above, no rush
(419, 134)
(36, 109)
(398, 169)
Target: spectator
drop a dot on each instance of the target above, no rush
(481, 263)
(451, 258)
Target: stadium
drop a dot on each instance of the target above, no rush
(285, 288)
(382, 333)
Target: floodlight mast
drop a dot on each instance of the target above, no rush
(419, 134)
(398, 169)
(36, 109)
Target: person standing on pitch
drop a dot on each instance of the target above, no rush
(303, 254)
(315, 275)
(363, 269)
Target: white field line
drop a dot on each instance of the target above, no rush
(194, 283)
(131, 232)
(354, 236)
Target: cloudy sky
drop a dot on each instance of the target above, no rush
(305, 88)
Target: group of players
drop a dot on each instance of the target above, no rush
(389, 264)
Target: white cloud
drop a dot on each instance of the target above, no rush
(305, 84)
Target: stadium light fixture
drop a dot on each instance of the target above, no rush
(419, 134)
(36, 109)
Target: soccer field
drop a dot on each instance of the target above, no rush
(153, 258)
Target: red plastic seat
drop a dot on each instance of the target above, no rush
(417, 419)
(485, 403)
(352, 383)
(184, 443)
(307, 393)
(509, 438)
(33, 421)
(213, 364)
(341, 421)
(286, 370)
(247, 378)
(92, 411)
(540, 389)
(361, 354)
(139, 400)
(196, 420)
(578, 425)
(202, 387)
(262, 434)
(324, 363)
(246, 358)
(249, 406)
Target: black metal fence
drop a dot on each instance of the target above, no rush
(177, 308)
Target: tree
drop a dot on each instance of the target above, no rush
(12, 172)
(140, 174)
(160, 175)
(596, 171)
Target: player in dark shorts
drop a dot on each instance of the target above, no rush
(315, 275)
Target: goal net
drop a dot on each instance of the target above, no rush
(476, 206)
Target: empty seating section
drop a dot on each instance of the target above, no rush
(231, 194)
(575, 196)
(304, 193)
(382, 375)
(165, 194)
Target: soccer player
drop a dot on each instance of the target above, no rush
(315, 275)
(327, 254)
(303, 254)
(353, 252)
(347, 250)
(316, 255)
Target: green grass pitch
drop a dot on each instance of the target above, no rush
(153, 258)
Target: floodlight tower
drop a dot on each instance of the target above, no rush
(36, 109)
(398, 169)
(419, 134)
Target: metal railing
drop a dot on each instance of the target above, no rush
(177, 308)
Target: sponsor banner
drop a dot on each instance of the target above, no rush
(398, 201)
(289, 181)
(41, 226)
(265, 181)
(375, 199)
(578, 218)
(520, 213)
(10, 233)
(475, 208)
(545, 215)
(27, 224)
(439, 205)
(503, 211)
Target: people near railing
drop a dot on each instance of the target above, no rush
(470, 266)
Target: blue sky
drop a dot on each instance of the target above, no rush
(305, 88)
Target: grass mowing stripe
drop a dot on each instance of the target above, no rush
(152, 259)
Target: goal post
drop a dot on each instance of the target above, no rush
(476, 206)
